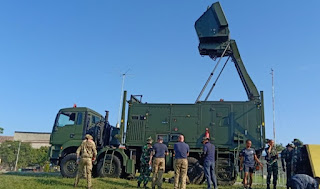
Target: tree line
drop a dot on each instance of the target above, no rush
(28, 156)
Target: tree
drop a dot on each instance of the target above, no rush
(39, 156)
(1, 130)
(28, 156)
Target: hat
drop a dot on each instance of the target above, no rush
(88, 136)
(290, 145)
(297, 142)
(149, 140)
(205, 138)
(160, 138)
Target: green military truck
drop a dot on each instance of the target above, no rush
(228, 123)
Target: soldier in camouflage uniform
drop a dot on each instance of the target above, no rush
(297, 157)
(272, 164)
(286, 160)
(87, 151)
(145, 163)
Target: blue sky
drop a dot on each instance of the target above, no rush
(57, 53)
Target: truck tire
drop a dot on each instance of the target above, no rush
(225, 172)
(195, 171)
(116, 167)
(68, 166)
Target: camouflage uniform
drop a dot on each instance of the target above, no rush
(272, 166)
(286, 156)
(297, 157)
(145, 170)
(88, 152)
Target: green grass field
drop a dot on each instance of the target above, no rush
(55, 181)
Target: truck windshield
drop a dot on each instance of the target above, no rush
(66, 118)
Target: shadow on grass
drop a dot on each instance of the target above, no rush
(51, 182)
(125, 184)
(31, 174)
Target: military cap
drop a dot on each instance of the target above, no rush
(88, 136)
(149, 140)
(205, 138)
(297, 142)
(290, 145)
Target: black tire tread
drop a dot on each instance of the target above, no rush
(198, 176)
(64, 161)
(116, 162)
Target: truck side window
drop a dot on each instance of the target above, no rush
(66, 118)
(79, 118)
(95, 119)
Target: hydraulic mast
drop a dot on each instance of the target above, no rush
(214, 41)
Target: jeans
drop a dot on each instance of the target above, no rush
(210, 173)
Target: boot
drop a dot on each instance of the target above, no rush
(145, 186)
(138, 185)
(268, 186)
(274, 186)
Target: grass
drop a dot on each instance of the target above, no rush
(55, 181)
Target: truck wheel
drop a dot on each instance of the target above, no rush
(108, 170)
(226, 173)
(68, 166)
(195, 171)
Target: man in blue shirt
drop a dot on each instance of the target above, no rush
(209, 162)
(248, 158)
(181, 151)
(302, 181)
(158, 165)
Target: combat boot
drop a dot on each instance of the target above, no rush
(268, 186)
(145, 186)
(274, 186)
(138, 185)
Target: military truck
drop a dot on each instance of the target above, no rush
(228, 123)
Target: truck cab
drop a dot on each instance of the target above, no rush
(69, 129)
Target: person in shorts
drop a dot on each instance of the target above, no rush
(248, 158)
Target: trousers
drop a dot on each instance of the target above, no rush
(180, 173)
(85, 166)
(144, 173)
(209, 171)
(158, 168)
(272, 170)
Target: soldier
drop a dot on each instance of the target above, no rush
(88, 153)
(145, 163)
(158, 165)
(297, 156)
(302, 181)
(181, 151)
(272, 164)
(286, 160)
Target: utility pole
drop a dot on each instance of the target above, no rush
(274, 119)
(17, 159)
(121, 96)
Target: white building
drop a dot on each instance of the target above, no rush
(36, 139)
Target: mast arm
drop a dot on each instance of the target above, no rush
(247, 82)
